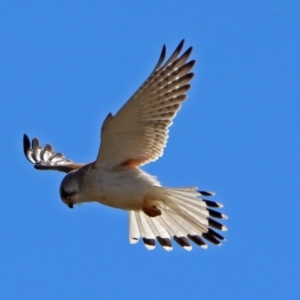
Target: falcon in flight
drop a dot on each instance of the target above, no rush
(135, 136)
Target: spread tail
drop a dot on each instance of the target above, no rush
(184, 217)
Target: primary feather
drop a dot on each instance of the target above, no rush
(138, 133)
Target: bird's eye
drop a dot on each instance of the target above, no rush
(64, 194)
(66, 197)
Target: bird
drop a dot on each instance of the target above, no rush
(136, 135)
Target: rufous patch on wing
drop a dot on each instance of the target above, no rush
(132, 162)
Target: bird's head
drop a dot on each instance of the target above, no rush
(69, 189)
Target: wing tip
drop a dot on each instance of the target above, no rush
(181, 44)
(32, 150)
(26, 149)
(161, 57)
(26, 144)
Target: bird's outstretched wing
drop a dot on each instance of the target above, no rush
(138, 133)
(45, 158)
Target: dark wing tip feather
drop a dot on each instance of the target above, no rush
(175, 53)
(35, 153)
(188, 76)
(190, 64)
(188, 52)
(26, 145)
(177, 50)
(162, 57)
(180, 46)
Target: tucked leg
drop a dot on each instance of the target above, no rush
(151, 209)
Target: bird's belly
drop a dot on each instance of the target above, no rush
(125, 190)
(125, 201)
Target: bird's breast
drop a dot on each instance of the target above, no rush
(124, 189)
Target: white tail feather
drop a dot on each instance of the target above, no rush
(176, 228)
(146, 231)
(183, 216)
(134, 232)
(160, 232)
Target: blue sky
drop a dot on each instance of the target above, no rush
(66, 64)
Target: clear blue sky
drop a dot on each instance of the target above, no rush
(64, 65)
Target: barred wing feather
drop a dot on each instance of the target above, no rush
(138, 133)
(45, 158)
